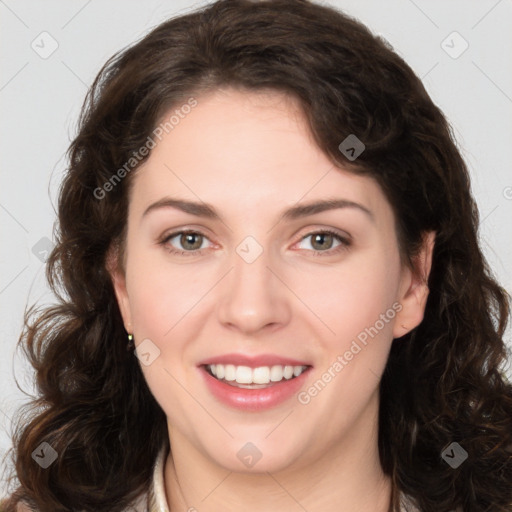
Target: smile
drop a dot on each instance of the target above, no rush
(253, 389)
(254, 378)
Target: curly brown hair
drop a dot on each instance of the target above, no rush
(443, 381)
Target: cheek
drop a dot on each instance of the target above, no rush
(356, 303)
(164, 303)
(352, 299)
(169, 305)
(164, 298)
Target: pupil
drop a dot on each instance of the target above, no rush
(189, 237)
(322, 238)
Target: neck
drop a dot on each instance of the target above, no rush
(348, 477)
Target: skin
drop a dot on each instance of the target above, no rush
(250, 156)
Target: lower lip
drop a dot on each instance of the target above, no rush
(254, 399)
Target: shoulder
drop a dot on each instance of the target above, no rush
(139, 506)
(152, 500)
(7, 504)
(407, 503)
(23, 507)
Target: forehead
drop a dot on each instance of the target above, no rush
(248, 152)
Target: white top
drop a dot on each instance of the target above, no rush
(157, 499)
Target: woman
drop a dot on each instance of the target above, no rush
(332, 337)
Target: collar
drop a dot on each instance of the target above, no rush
(157, 501)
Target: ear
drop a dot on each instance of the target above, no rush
(118, 276)
(414, 289)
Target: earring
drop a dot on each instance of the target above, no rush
(129, 345)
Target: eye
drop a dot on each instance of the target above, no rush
(190, 241)
(322, 242)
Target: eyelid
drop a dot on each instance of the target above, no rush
(345, 235)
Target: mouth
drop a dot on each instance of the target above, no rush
(260, 377)
(253, 384)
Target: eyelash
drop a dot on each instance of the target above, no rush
(345, 242)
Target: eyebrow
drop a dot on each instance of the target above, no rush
(295, 212)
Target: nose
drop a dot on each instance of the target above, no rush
(253, 296)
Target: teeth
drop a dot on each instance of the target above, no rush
(297, 370)
(288, 372)
(243, 375)
(259, 375)
(220, 371)
(276, 373)
(229, 372)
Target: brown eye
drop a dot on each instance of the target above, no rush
(190, 241)
(185, 243)
(322, 241)
(325, 242)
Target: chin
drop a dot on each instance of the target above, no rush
(256, 456)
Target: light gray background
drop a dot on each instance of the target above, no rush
(40, 100)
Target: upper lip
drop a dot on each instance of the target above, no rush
(253, 361)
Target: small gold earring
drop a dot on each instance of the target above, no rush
(129, 345)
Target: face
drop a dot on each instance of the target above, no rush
(301, 302)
